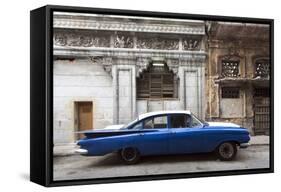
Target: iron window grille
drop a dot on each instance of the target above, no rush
(261, 92)
(230, 68)
(230, 92)
(262, 68)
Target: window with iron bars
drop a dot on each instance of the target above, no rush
(261, 92)
(262, 68)
(230, 92)
(157, 82)
(230, 68)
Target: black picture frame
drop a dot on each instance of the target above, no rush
(41, 99)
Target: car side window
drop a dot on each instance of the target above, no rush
(156, 122)
(180, 121)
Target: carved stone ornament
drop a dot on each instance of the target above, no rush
(173, 65)
(106, 62)
(122, 41)
(141, 65)
(158, 43)
(60, 40)
(81, 40)
(190, 44)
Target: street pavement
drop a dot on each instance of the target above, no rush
(80, 167)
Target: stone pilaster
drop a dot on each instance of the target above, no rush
(124, 90)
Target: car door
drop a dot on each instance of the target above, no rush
(185, 134)
(154, 136)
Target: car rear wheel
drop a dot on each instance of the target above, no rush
(129, 155)
(226, 151)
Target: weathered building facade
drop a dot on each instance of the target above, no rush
(109, 69)
(238, 74)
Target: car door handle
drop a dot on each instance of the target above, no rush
(173, 132)
(141, 134)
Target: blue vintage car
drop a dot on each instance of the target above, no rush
(165, 132)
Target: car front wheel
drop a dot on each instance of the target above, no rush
(226, 151)
(129, 155)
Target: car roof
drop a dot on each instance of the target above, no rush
(145, 115)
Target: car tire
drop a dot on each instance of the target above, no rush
(226, 151)
(129, 155)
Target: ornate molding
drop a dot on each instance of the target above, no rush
(81, 40)
(190, 44)
(230, 57)
(106, 62)
(123, 41)
(141, 65)
(158, 43)
(95, 39)
(96, 22)
(186, 56)
(197, 60)
(173, 65)
(60, 39)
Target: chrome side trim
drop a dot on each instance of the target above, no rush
(81, 151)
(244, 145)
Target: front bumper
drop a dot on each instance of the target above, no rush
(81, 151)
(244, 145)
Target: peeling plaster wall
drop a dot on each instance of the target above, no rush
(239, 110)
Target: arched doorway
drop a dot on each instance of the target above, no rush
(155, 85)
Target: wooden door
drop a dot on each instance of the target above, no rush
(85, 116)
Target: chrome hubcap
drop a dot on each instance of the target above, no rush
(226, 150)
(129, 154)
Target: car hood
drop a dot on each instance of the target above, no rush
(223, 124)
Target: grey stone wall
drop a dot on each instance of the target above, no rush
(80, 80)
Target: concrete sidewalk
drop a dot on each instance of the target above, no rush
(68, 149)
(259, 140)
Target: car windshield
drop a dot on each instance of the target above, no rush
(201, 120)
(130, 124)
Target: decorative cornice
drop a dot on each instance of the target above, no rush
(241, 43)
(194, 56)
(137, 25)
